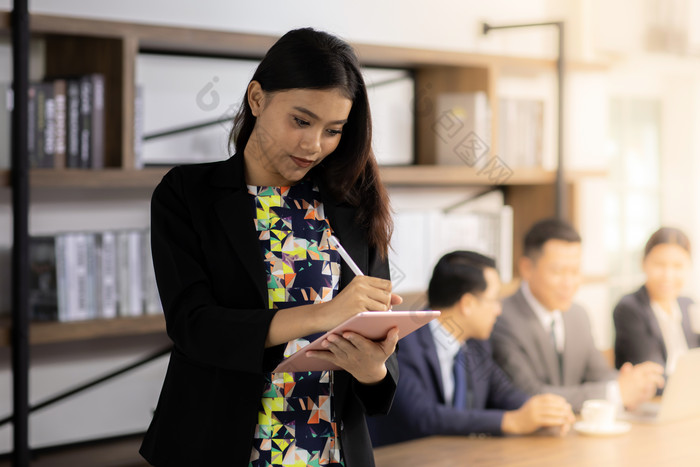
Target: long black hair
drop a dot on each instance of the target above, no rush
(310, 59)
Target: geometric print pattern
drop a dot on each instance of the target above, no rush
(296, 419)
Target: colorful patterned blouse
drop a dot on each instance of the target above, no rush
(296, 420)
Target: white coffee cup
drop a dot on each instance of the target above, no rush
(598, 413)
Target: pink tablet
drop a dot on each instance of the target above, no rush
(370, 324)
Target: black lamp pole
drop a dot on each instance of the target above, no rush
(561, 206)
(20, 234)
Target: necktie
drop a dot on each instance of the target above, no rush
(462, 395)
(560, 361)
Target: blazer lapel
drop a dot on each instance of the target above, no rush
(543, 342)
(690, 336)
(650, 317)
(237, 217)
(430, 353)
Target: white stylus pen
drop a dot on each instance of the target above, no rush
(344, 254)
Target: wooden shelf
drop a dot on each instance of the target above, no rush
(441, 175)
(410, 175)
(229, 43)
(106, 178)
(78, 178)
(55, 332)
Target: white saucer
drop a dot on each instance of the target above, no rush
(617, 428)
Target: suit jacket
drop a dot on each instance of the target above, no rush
(638, 336)
(419, 407)
(212, 283)
(524, 350)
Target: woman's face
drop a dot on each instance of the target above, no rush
(666, 267)
(294, 131)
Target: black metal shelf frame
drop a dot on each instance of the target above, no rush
(19, 179)
(20, 234)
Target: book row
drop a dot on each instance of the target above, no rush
(89, 275)
(463, 130)
(65, 122)
(487, 230)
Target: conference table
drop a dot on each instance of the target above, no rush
(670, 444)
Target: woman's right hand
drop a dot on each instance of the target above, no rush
(364, 293)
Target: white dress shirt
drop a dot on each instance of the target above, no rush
(546, 317)
(447, 347)
(672, 332)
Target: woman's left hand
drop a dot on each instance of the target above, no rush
(361, 357)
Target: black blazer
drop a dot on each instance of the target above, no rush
(212, 283)
(419, 407)
(638, 336)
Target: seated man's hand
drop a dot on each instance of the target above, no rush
(638, 383)
(542, 410)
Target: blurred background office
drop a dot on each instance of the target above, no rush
(632, 93)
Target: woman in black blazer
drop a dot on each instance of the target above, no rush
(227, 262)
(640, 334)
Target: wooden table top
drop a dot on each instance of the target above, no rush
(674, 444)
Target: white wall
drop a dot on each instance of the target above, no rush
(439, 24)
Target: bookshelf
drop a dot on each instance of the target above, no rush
(80, 46)
(77, 46)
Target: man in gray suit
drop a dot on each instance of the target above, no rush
(543, 340)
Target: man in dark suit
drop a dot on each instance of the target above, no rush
(543, 340)
(448, 387)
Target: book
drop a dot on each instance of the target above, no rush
(138, 128)
(79, 275)
(462, 128)
(74, 276)
(67, 273)
(62, 283)
(85, 122)
(43, 298)
(135, 269)
(521, 132)
(129, 282)
(43, 105)
(60, 127)
(107, 275)
(97, 124)
(91, 275)
(49, 131)
(72, 123)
